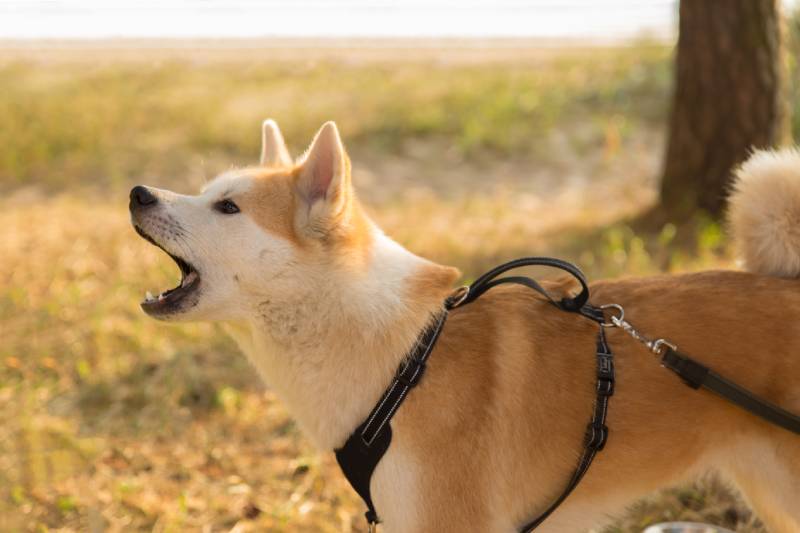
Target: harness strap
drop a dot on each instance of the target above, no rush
(596, 432)
(365, 447)
(697, 375)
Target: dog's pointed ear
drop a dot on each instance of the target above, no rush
(323, 180)
(273, 149)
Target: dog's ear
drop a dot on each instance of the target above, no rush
(273, 149)
(323, 181)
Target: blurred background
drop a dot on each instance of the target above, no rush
(601, 131)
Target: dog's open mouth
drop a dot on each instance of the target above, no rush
(170, 300)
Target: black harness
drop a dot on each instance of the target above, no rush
(365, 447)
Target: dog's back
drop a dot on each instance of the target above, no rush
(513, 378)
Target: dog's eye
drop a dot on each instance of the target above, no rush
(227, 207)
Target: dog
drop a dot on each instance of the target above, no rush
(326, 306)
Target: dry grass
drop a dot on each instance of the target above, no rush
(79, 118)
(112, 421)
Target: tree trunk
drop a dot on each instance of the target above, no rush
(727, 98)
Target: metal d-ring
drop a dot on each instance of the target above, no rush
(615, 320)
(458, 297)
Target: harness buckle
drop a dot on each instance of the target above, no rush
(605, 387)
(596, 435)
(605, 366)
(372, 521)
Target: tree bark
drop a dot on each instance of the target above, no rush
(727, 99)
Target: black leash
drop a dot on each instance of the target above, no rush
(365, 447)
(697, 375)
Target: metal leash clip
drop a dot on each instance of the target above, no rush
(657, 346)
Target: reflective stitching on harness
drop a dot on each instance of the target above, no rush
(392, 410)
(376, 411)
(425, 342)
(358, 458)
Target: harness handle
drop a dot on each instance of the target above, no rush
(597, 430)
(489, 280)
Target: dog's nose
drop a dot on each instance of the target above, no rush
(141, 197)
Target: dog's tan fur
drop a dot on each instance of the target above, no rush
(494, 430)
(521, 412)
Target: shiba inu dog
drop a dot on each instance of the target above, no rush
(326, 306)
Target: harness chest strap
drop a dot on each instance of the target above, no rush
(596, 432)
(365, 447)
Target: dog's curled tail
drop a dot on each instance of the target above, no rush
(764, 213)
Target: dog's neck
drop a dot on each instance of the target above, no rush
(330, 349)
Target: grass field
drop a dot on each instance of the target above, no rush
(112, 421)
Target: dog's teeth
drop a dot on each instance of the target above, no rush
(160, 296)
(148, 297)
(189, 279)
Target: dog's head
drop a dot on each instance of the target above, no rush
(255, 234)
